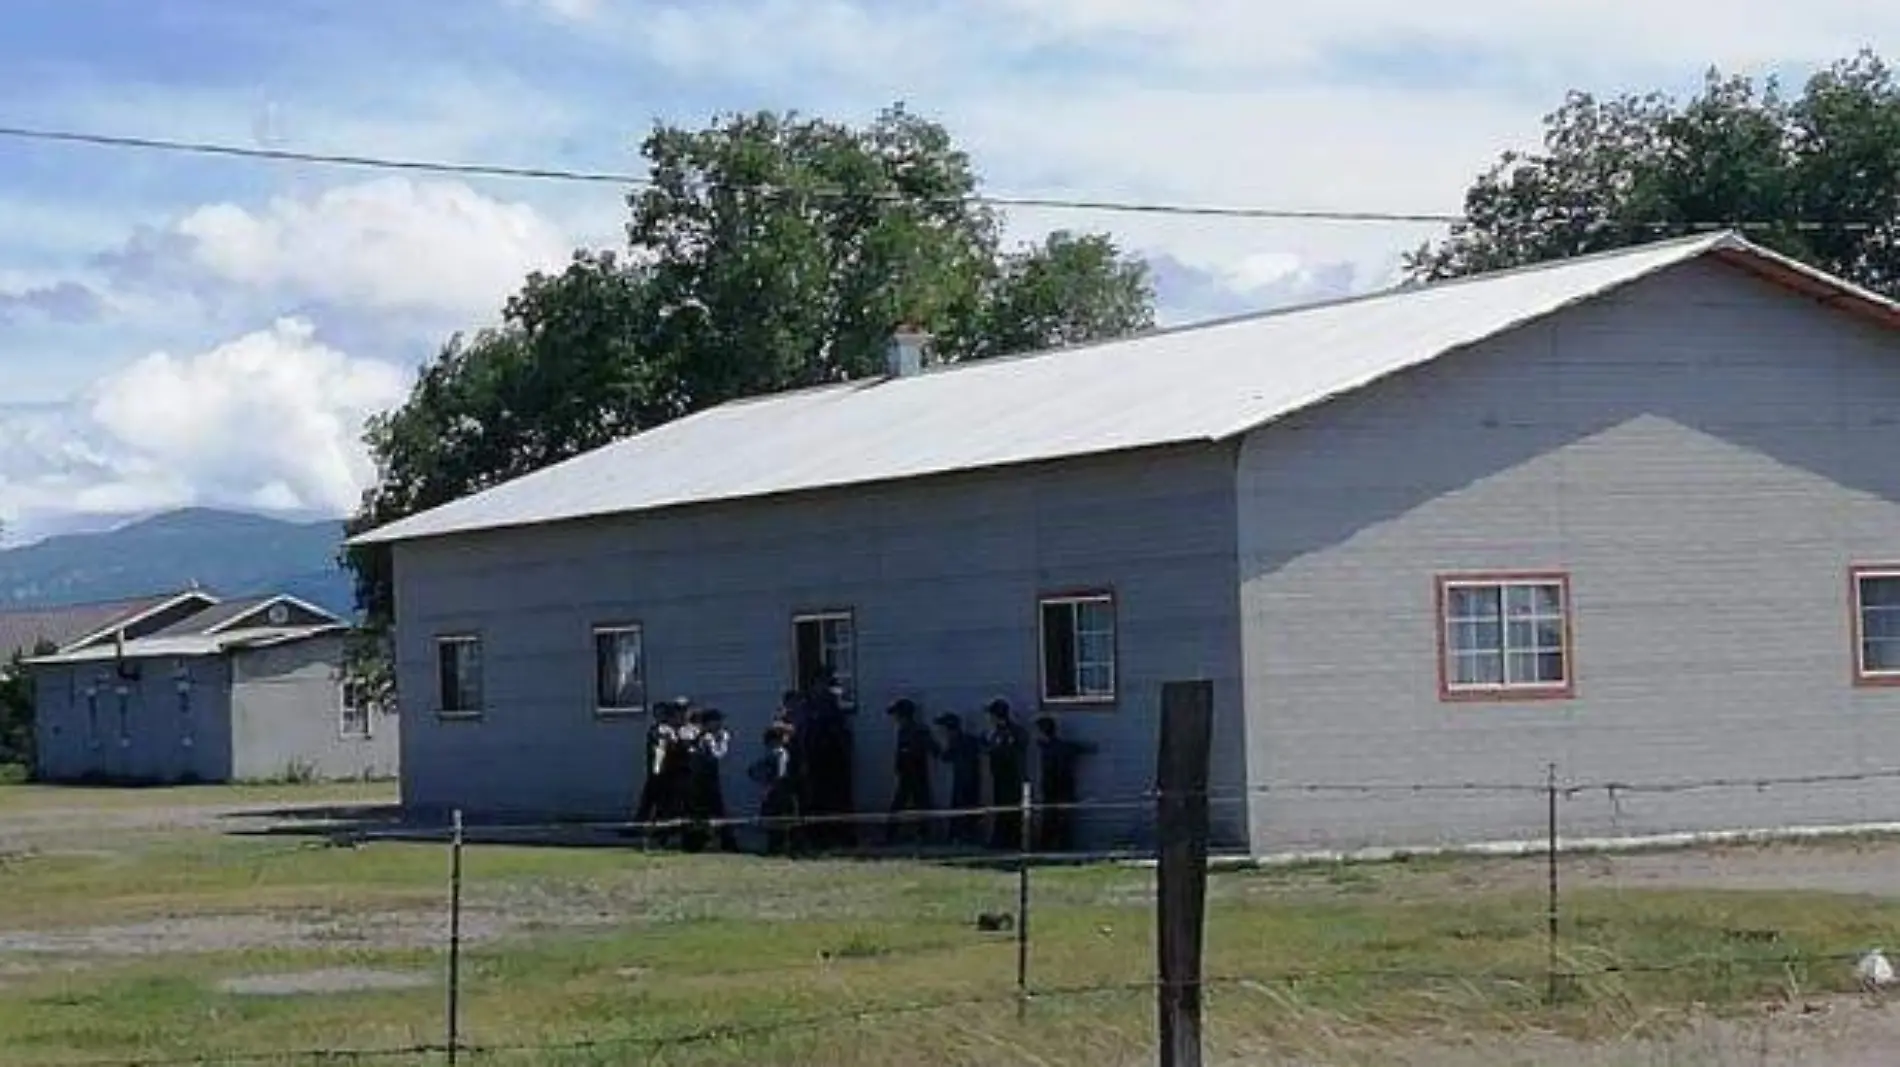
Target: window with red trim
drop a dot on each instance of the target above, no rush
(1877, 624)
(1505, 636)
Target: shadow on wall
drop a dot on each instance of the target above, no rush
(1369, 457)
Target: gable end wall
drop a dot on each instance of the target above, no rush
(1703, 453)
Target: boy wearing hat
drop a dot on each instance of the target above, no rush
(662, 738)
(1006, 745)
(711, 741)
(964, 753)
(824, 745)
(911, 760)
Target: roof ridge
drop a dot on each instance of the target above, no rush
(1402, 289)
(1238, 318)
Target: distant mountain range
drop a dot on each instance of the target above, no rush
(228, 553)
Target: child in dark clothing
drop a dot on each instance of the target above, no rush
(914, 750)
(1006, 745)
(710, 744)
(1059, 758)
(964, 753)
(774, 771)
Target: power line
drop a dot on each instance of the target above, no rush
(213, 148)
(1099, 205)
(638, 181)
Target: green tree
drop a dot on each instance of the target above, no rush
(1816, 177)
(765, 252)
(17, 708)
(1067, 290)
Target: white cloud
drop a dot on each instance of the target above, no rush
(270, 420)
(1571, 35)
(1362, 104)
(567, 10)
(391, 243)
(274, 410)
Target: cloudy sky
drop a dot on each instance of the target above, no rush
(179, 330)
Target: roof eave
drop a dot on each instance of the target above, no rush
(1796, 276)
(101, 654)
(137, 617)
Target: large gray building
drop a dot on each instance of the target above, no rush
(193, 689)
(1637, 515)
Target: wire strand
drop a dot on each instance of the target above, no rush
(1101, 205)
(856, 1013)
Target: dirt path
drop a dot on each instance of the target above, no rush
(1870, 868)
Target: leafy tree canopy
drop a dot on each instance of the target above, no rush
(1816, 176)
(766, 252)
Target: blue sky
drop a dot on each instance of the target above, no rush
(177, 330)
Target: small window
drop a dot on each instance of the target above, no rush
(620, 669)
(827, 641)
(1078, 648)
(355, 703)
(1877, 625)
(459, 675)
(1506, 637)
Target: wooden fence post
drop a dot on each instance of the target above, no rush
(1187, 711)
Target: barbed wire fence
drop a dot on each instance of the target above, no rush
(1547, 799)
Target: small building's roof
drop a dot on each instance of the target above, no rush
(23, 630)
(1194, 384)
(161, 646)
(247, 612)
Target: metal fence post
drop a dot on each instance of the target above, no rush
(1022, 903)
(1550, 856)
(455, 934)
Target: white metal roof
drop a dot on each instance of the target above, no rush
(188, 645)
(1201, 383)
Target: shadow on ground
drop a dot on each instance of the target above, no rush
(352, 824)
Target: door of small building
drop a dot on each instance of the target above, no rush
(117, 727)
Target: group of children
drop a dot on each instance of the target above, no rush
(805, 776)
(685, 746)
(1004, 747)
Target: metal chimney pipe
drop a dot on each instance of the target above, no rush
(905, 356)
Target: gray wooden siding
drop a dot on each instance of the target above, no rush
(164, 738)
(1705, 455)
(286, 715)
(942, 575)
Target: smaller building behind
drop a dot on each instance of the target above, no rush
(190, 688)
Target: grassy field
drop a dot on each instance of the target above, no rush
(121, 944)
(21, 797)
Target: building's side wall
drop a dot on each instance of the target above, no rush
(1706, 456)
(943, 576)
(287, 717)
(168, 722)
